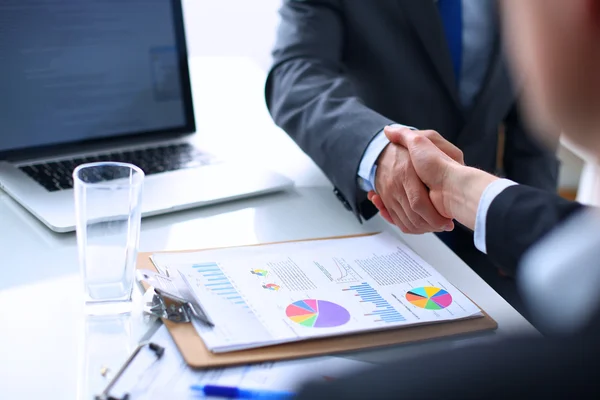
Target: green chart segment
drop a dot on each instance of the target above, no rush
(429, 298)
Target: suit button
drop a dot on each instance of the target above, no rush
(341, 198)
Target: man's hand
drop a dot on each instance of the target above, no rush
(401, 197)
(454, 189)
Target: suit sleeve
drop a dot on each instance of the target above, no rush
(499, 370)
(309, 96)
(517, 218)
(526, 160)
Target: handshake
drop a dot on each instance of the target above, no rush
(422, 184)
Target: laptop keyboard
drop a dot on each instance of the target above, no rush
(55, 176)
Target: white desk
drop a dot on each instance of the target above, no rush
(45, 351)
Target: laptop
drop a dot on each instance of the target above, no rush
(84, 81)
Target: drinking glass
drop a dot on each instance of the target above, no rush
(108, 199)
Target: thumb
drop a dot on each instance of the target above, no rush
(399, 135)
(437, 199)
(427, 159)
(412, 141)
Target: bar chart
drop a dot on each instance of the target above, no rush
(382, 309)
(215, 281)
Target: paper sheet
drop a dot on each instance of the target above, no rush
(170, 378)
(265, 295)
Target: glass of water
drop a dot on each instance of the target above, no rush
(108, 199)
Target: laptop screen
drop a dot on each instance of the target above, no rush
(76, 70)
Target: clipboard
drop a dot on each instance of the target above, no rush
(196, 355)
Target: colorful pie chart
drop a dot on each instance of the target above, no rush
(259, 272)
(271, 286)
(317, 313)
(429, 298)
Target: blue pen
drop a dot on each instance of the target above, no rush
(230, 392)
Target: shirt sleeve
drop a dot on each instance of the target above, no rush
(368, 165)
(488, 196)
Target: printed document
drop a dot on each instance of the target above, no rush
(264, 295)
(171, 378)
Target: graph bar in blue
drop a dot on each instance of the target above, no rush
(384, 312)
(371, 297)
(390, 314)
(387, 314)
(206, 264)
(366, 291)
(215, 280)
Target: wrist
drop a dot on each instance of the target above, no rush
(462, 189)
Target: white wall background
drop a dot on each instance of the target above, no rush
(232, 28)
(248, 28)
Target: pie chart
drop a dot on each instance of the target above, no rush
(313, 313)
(429, 298)
(271, 286)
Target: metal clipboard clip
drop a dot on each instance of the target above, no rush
(167, 298)
(167, 305)
(105, 395)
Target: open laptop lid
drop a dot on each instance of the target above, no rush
(78, 72)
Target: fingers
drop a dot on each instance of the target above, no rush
(394, 218)
(419, 208)
(400, 215)
(408, 138)
(378, 203)
(393, 197)
(399, 135)
(407, 204)
(402, 196)
(399, 212)
(451, 150)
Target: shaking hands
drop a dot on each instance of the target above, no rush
(412, 177)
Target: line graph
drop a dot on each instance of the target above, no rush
(339, 271)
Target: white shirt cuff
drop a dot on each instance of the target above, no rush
(487, 197)
(368, 167)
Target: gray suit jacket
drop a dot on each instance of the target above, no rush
(344, 69)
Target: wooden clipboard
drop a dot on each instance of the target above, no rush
(196, 354)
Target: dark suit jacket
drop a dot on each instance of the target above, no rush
(517, 218)
(512, 369)
(344, 69)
